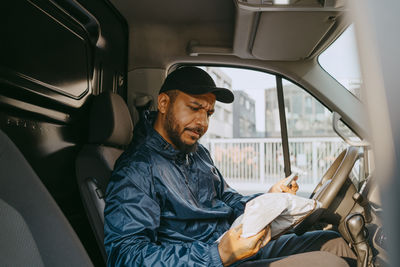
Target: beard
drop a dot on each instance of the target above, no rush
(174, 134)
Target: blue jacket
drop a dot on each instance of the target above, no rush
(165, 208)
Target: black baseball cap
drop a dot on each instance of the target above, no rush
(195, 81)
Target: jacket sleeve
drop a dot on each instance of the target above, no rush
(234, 199)
(132, 217)
(227, 194)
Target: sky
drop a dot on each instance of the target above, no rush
(340, 60)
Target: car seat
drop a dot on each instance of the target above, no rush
(33, 229)
(110, 131)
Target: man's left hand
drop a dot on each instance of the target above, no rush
(280, 187)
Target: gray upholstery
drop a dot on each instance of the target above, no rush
(110, 128)
(17, 246)
(38, 221)
(110, 121)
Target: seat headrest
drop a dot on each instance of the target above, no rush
(110, 120)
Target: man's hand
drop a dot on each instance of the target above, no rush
(232, 247)
(280, 187)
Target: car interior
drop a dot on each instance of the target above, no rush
(75, 75)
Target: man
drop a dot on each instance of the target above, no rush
(167, 204)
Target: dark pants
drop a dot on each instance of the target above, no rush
(318, 248)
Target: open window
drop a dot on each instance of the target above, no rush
(254, 143)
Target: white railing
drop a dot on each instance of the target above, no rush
(261, 160)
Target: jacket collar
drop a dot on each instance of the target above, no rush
(157, 142)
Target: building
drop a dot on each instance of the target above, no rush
(272, 123)
(221, 123)
(304, 114)
(244, 116)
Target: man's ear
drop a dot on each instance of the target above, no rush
(163, 103)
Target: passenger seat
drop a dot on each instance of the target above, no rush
(110, 131)
(33, 230)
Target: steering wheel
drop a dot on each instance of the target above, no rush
(329, 186)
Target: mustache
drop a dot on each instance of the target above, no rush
(198, 130)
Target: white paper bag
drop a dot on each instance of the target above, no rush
(281, 210)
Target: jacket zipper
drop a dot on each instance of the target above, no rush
(186, 177)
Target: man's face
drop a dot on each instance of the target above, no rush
(187, 119)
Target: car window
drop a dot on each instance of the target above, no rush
(341, 61)
(313, 145)
(237, 133)
(245, 141)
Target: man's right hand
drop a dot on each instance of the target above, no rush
(281, 187)
(232, 247)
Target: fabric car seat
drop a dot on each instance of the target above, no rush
(33, 229)
(110, 130)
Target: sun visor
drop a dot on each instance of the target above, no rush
(290, 35)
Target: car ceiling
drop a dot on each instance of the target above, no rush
(161, 32)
